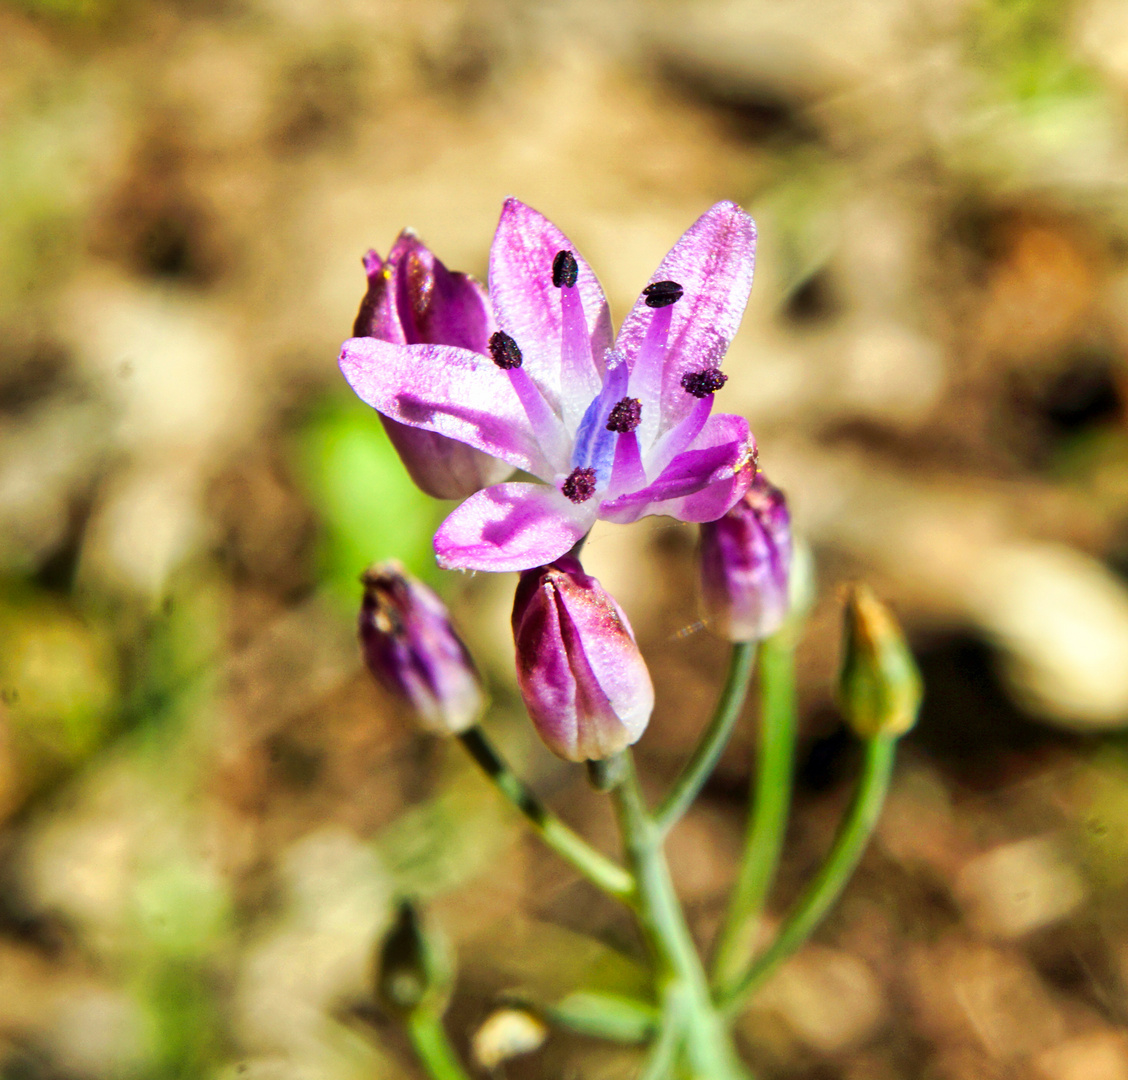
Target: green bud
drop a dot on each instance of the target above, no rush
(879, 686)
(413, 968)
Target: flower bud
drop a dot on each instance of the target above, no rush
(879, 686)
(413, 966)
(411, 647)
(745, 565)
(413, 299)
(579, 668)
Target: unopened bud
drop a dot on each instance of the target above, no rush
(413, 299)
(411, 647)
(579, 668)
(879, 686)
(507, 1033)
(745, 565)
(413, 967)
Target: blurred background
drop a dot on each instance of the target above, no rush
(208, 808)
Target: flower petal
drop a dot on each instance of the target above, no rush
(378, 316)
(452, 391)
(713, 263)
(413, 299)
(528, 305)
(701, 483)
(436, 304)
(444, 468)
(510, 527)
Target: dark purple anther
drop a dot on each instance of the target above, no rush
(411, 647)
(580, 485)
(564, 269)
(662, 293)
(579, 668)
(505, 351)
(703, 383)
(625, 416)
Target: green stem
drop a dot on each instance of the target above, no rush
(596, 867)
(708, 1048)
(700, 766)
(771, 800)
(597, 1014)
(671, 1036)
(853, 835)
(429, 1038)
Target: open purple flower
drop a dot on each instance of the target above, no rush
(617, 430)
(413, 299)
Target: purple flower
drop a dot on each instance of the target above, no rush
(615, 430)
(413, 299)
(745, 561)
(579, 668)
(410, 646)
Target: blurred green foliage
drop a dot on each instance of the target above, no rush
(1024, 46)
(48, 144)
(58, 685)
(369, 507)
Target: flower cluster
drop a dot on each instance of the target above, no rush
(472, 385)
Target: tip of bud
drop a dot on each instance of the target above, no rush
(879, 685)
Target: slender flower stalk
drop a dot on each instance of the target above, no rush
(826, 887)
(771, 799)
(879, 691)
(596, 867)
(742, 661)
(601, 1015)
(708, 1049)
(430, 1042)
(671, 1037)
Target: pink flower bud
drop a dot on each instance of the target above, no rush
(745, 561)
(579, 668)
(413, 299)
(410, 646)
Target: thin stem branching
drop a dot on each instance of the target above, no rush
(569, 845)
(742, 661)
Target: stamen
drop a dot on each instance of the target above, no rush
(564, 269)
(580, 485)
(505, 351)
(662, 293)
(703, 383)
(625, 416)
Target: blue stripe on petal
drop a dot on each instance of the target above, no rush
(595, 445)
